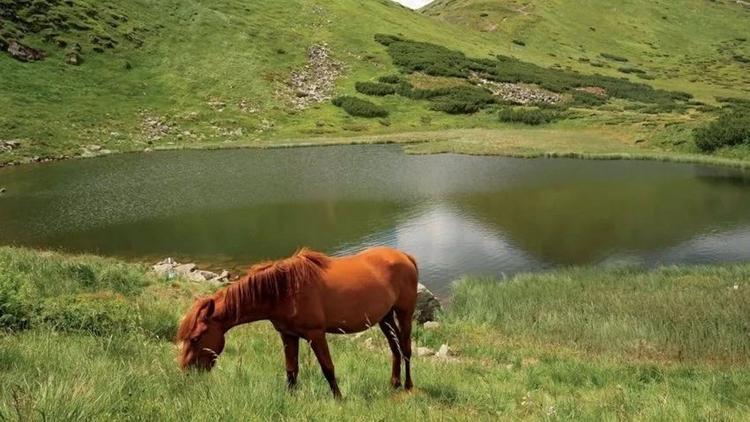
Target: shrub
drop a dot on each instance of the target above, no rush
(614, 57)
(587, 99)
(528, 116)
(375, 88)
(390, 79)
(626, 69)
(519, 42)
(460, 99)
(359, 107)
(731, 128)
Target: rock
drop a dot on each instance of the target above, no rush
(427, 305)
(424, 351)
(431, 325)
(2, 191)
(443, 352)
(24, 53)
(73, 58)
(184, 269)
(315, 82)
(148, 150)
(94, 147)
(164, 270)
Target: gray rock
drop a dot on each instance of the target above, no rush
(164, 270)
(443, 352)
(184, 269)
(94, 147)
(2, 190)
(73, 58)
(24, 53)
(427, 305)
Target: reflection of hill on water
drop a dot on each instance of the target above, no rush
(583, 223)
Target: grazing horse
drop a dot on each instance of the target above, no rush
(306, 296)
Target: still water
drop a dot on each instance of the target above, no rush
(457, 214)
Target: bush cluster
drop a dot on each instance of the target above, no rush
(390, 79)
(731, 128)
(435, 60)
(587, 99)
(359, 107)
(375, 88)
(528, 116)
(614, 57)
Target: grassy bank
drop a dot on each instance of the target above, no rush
(575, 344)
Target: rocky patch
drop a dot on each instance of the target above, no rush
(314, 83)
(24, 53)
(519, 93)
(593, 90)
(154, 127)
(7, 146)
(169, 268)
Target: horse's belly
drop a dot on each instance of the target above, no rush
(355, 317)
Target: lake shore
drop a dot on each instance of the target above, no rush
(594, 144)
(582, 343)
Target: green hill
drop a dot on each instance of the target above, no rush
(169, 74)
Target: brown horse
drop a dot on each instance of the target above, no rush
(306, 296)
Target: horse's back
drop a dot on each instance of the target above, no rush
(363, 288)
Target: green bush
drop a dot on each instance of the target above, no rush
(460, 99)
(519, 42)
(527, 116)
(435, 60)
(359, 107)
(614, 57)
(390, 79)
(587, 99)
(375, 88)
(731, 128)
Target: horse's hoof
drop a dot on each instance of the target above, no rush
(408, 386)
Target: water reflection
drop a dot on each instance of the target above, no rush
(459, 215)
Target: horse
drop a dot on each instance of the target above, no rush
(307, 296)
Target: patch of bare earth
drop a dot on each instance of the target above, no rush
(314, 83)
(593, 90)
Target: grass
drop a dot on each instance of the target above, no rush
(577, 344)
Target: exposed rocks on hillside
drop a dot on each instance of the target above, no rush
(154, 127)
(427, 305)
(519, 93)
(169, 268)
(10, 145)
(24, 53)
(315, 82)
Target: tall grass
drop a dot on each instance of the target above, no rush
(583, 344)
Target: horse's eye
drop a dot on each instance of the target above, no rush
(194, 340)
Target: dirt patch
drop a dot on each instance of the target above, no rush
(314, 83)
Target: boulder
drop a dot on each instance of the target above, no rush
(443, 352)
(24, 53)
(427, 305)
(73, 58)
(184, 269)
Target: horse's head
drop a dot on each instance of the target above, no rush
(201, 336)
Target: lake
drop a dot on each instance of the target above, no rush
(457, 214)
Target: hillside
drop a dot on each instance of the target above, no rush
(140, 75)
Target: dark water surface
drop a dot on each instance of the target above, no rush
(458, 214)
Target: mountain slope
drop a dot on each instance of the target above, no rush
(172, 74)
(695, 45)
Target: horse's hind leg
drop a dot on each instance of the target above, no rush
(393, 335)
(404, 322)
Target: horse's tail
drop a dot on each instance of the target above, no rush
(413, 262)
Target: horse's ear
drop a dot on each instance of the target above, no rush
(207, 309)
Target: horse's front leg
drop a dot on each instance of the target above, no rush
(319, 345)
(291, 355)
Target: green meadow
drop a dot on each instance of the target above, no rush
(89, 338)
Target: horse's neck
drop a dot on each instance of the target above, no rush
(247, 313)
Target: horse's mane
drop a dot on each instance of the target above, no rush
(272, 281)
